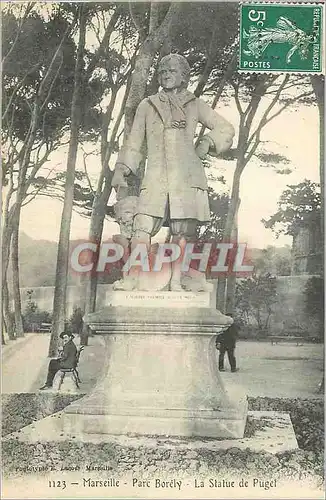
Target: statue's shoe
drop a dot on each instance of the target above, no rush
(127, 284)
(196, 283)
(175, 286)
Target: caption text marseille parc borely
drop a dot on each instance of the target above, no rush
(178, 484)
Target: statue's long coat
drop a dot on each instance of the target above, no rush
(173, 170)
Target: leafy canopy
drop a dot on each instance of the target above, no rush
(298, 205)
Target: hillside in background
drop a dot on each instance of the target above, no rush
(38, 262)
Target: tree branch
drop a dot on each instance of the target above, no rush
(105, 42)
(29, 8)
(17, 87)
(264, 120)
(46, 100)
(236, 98)
(85, 155)
(36, 192)
(209, 63)
(154, 16)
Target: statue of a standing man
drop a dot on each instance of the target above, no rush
(174, 187)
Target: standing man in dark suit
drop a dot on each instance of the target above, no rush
(67, 359)
(226, 343)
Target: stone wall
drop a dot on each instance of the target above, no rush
(43, 297)
(289, 314)
(307, 254)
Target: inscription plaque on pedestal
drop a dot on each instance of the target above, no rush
(158, 299)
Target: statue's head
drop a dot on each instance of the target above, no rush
(173, 72)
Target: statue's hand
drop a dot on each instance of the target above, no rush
(203, 147)
(118, 179)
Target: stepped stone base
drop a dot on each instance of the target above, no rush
(272, 432)
(162, 375)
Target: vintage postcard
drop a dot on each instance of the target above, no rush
(163, 249)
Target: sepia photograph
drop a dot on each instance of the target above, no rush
(162, 246)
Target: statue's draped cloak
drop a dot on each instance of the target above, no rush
(173, 171)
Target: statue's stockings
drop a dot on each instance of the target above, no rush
(182, 230)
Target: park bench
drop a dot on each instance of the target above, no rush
(73, 372)
(45, 327)
(276, 339)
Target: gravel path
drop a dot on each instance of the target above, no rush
(282, 370)
(25, 363)
(22, 361)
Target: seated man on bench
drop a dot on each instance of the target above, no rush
(67, 359)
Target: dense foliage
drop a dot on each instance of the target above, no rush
(32, 316)
(255, 297)
(299, 204)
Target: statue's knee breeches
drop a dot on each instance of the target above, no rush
(146, 225)
(183, 228)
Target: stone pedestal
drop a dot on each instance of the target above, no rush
(161, 376)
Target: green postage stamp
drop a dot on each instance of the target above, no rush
(281, 37)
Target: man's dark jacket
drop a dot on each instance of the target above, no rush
(68, 357)
(228, 338)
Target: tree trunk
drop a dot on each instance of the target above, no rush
(7, 313)
(59, 301)
(227, 75)
(227, 234)
(232, 278)
(95, 235)
(246, 119)
(15, 279)
(143, 64)
(318, 83)
(6, 242)
(100, 202)
(12, 216)
(209, 64)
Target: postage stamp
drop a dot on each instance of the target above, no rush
(281, 37)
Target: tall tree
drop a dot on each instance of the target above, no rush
(33, 117)
(318, 84)
(118, 69)
(248, 94)
(59, 300)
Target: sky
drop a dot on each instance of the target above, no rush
(294, 134)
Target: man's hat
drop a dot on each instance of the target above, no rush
(66, 333)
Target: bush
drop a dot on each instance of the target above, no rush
(255, 297)
(76, 321)
(33, 317)
(32, 322)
